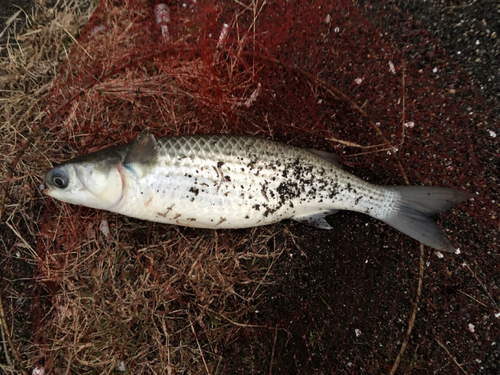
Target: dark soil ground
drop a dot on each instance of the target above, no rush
(340, 301)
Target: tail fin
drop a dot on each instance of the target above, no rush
(417, 202)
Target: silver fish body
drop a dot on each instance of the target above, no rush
(223, 181)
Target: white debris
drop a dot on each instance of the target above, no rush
(492, 133)
(471, 327)
(497, 315)
(358, 332)
(434, 70)
(162, 13)
(38, 371)
(358, 81)
(409, 124)
(439, 254)
(121, 367)
(104, 227)
(391, 67)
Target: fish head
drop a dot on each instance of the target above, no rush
(91, 182)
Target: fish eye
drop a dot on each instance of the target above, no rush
(60, 181)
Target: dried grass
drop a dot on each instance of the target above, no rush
(144, 297)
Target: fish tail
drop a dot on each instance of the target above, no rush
(416, 203)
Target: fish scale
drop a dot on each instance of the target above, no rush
(225, 181)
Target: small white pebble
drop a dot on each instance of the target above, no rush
(459, 52)
(457, 250)
(471, 327)
(358, 332)
(121, 367)
(104, 228)
(38, 371)
(409, 124)
(358, 81)
(497, 315)
(337, 29)
(391, 67)
(434, 70)
(477, 42)
(42, 187)
(492, 133)
(439, 254)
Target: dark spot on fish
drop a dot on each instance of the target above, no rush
(256, 207)
(191, 219)
(227, 178)
(222, 219)
(247, 217)
(177, 216)
(194, 190)
(220, 164)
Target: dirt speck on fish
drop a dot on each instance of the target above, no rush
(225, 181)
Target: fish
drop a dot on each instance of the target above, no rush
(226, 181)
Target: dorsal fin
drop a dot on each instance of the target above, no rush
(144, 151)
(328, 156)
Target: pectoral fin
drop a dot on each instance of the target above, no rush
(142, 154)
(316, 219)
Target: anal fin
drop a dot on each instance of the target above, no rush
(316, 219)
